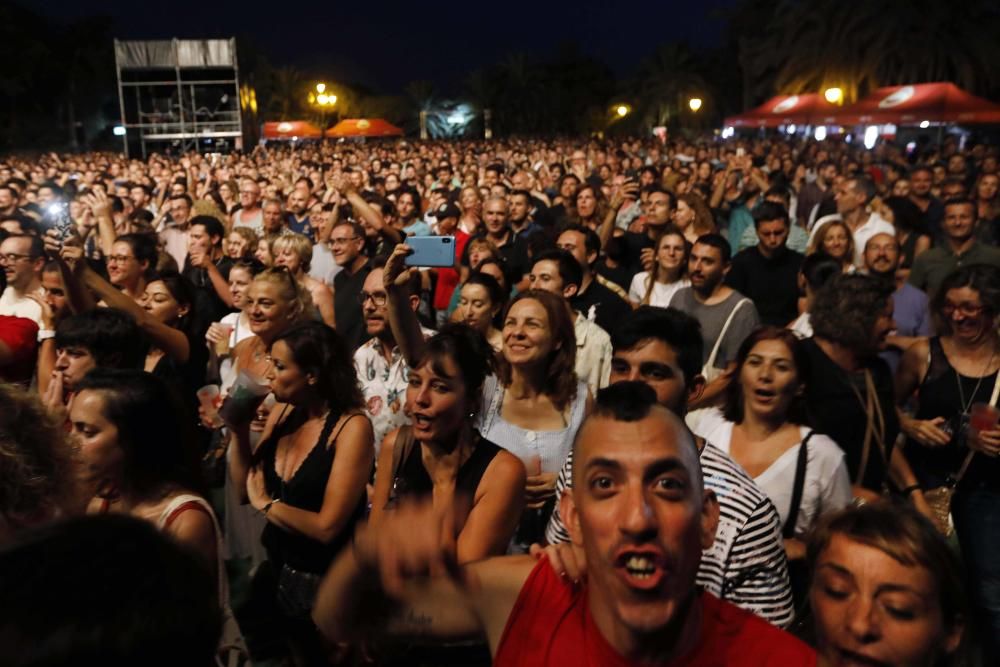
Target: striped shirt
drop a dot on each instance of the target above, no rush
(746, 564)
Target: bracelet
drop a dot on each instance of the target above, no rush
(908, 491)
(267, 507)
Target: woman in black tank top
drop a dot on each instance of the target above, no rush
(952, 373)
(308, 475)
(442, 458)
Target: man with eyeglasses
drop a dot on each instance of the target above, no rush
(22, 258)
(381, 367)
(347, 241)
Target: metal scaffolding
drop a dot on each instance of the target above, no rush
(179, 94)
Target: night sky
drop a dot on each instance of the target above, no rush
(383, 45)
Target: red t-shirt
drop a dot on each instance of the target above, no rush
(21, 336)
(551, 624)
(447, 279)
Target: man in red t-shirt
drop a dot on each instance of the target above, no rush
(639, 514)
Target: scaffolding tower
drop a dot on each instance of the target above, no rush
(179, 95)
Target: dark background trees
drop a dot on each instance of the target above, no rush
(57, 82)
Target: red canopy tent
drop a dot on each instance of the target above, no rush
(291, 129)
(802, 109)
(909, 105)
(364, 127)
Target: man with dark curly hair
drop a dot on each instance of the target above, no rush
(851, 396)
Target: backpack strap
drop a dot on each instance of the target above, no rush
(798, 486)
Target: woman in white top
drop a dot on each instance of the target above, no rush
(762, 427)
(236, 324)
(657, 286)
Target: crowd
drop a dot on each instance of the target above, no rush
(693, 403)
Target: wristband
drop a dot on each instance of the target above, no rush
(45, 334)
(908, 491)
(267, 507)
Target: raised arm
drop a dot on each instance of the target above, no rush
(366, 211)
(171, 340)
(402, 320)
(402, 579)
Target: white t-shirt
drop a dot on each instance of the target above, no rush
(827, 485)
(661, 294)
(21, 306)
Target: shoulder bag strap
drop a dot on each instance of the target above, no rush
(722, 334)
(968, 457)
(401, 448)
(788, 531)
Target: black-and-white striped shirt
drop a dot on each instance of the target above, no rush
(746, 564)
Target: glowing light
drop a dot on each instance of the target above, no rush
(119, 130)
(871, 136)
(621, 110)
(791, 129)
(820, 133)
(728, 131)
(694, 103)
(834, 95)
(321, 98)
(924, 124)
(320, 88)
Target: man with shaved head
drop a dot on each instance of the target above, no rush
(639, 512)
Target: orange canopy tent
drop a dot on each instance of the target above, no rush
(364, 127)
(913, 104)
(291, 129)
(803, 109)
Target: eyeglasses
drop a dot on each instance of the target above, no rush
(118, 259)
(378, 298)
(12, 257)
(343, 241)
(963, 309)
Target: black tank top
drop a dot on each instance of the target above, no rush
(939, 397)
(304, 490)
(412, 480)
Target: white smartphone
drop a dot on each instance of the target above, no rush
(436, 251)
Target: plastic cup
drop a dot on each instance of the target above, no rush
(245, 396)
(211, 399)
(983, 417)
(222, 345)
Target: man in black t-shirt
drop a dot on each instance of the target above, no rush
(348, 241)
(768, 272)
(595, 300)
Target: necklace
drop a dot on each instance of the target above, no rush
(966, 405)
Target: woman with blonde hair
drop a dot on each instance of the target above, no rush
(294, 251)
(834, 239)
(693, 217)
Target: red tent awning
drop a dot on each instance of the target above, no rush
(364, 127)
(785, 110)
(913, 104)
(291, 129)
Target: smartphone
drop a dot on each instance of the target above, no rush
(431, 251)
(58, 218)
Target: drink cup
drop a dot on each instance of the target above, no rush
(244, 398)
(983, 417)
(211, 398)
(222, 345)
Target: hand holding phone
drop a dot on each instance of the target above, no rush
(438, 251)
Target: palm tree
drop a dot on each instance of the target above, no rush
(811, 44)
(664, 81)
(286, 91)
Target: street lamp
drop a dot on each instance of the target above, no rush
(323, 100)
(622, 110)
(694, 104)
(834, 95)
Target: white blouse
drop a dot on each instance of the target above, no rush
(661, 294)
(827, 484)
